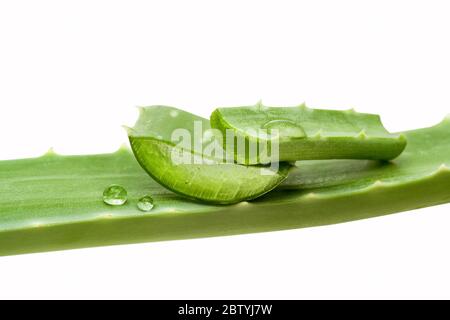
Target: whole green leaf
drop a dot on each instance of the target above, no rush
(55, 202)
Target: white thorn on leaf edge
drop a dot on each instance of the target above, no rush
(362, 134)
(311, 195)
(318, 134)
(378, 184)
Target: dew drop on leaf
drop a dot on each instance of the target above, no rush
(145, 203)
(115, 195)
(286, 128)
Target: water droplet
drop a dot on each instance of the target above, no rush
(115, 195)
(286, 128)
(145, 203)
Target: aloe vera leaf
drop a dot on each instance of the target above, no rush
(308, 134)
(55, 202)
(217, 181)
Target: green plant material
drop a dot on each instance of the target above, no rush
(55, 202)
(306, 134)
(195, 173)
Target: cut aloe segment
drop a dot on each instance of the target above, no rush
(186, 167)
(306, 134)
(55, 202)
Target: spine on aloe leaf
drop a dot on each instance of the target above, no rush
(303, 133)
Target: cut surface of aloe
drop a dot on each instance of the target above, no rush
(186, 168)
(55, 202)
(307, 134)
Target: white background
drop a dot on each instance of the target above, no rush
(71, 73)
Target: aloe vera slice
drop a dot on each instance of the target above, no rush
(308, 134)
(207, 177)
(55, 202)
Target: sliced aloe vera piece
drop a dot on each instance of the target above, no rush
(186, 168)
(55, 202)
(307, 134)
